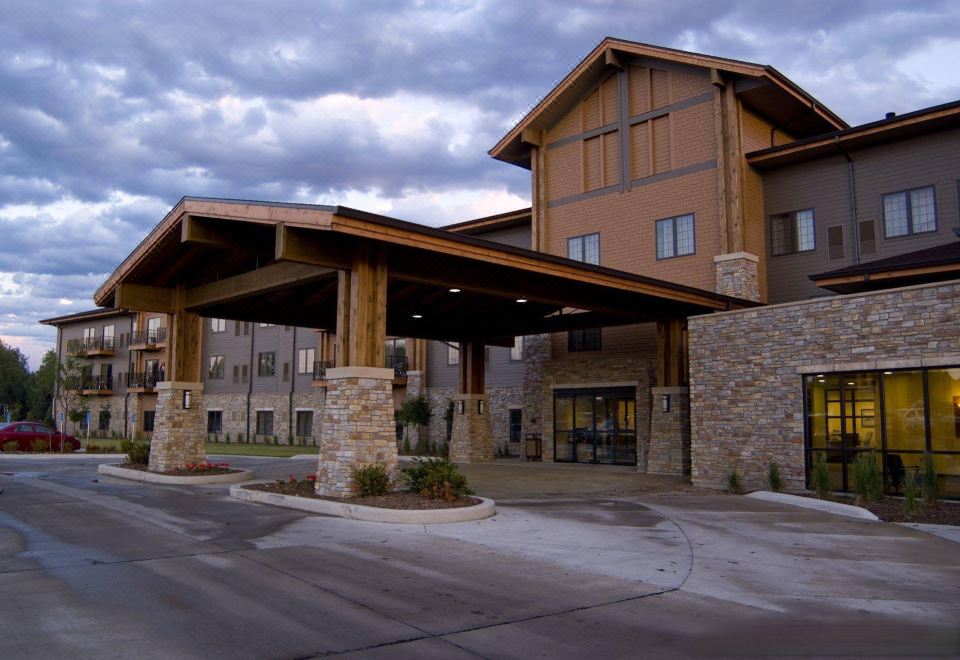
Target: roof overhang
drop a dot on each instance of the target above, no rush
(89, 315)
(900, 127)
(935, 264)
(489, 223)
(278, 263)
(762, 88)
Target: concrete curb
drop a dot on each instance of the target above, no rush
(154, 478)
(485, 509)
(948, 532)
(57, 457)
(305, 457)
(809, 503)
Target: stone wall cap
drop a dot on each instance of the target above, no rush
(669, 390)
(179, 385)
(587, 386)
(731, 256)
(378, 373)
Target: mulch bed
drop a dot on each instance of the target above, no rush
(893, 509)
(182, 472)
(388, 501)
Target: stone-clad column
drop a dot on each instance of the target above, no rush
(358, 427)
(669, 451)
(738, 275)
(471, 439)
(178, 432)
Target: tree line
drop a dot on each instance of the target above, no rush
(25, 394)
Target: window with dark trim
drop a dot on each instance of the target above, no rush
(215, 421)
(218, 325)
(148, 416)
(453, 355)
(792, 232)
(584, 248)
(909, 212)
(266, 364)
(676, 237)
(264, 422)
(868, 237)
(216, 367)
(305, 360)
(583, 340)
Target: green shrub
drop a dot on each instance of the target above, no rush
(867, 477)
(240, 438)
(138, 453)
(406, 445)
(40, 446)
(911, 493)
(436, 477)
(734, 485)
(276, 441)
(226, 438)
(774, 477)
(820, 476)
(928, 477)
(370, 480)
(10, 446)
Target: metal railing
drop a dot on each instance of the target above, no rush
(91, 344)
(148, 337)
(320, 369)
(143, 379)
(97, 383)
(398, 363)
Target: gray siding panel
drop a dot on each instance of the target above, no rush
(822, 185)
(500, 370)
(516, 236)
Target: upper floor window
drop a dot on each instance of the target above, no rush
(675, 237)
(266, 364)
(516, 351)
(218, 325)
(909, 212)
(584, 248)
(215, 370)
(305, 359)
(583, 340)
(792, 232)
(453, 354)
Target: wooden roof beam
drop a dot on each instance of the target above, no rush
(216, 233)
(257, 282)
(309, 246)
(143, 298)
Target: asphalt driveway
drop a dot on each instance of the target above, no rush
(571, 566)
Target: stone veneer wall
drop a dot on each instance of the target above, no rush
(314, 399)
(234, 407)
(358, 427)
(536, 353)
(178, 433)
(280, 405)
(471, 441)
(438, 398)
(669, 451)
(746, 369)
(501, 400)
(600, 370)
(114, 404)
(738, 275)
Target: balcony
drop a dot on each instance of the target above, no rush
(97, 386)
(399, 365)
(320, 370)
(142, 382)
(104, 346)
(148, 340)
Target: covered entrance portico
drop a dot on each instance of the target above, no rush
(368, 276)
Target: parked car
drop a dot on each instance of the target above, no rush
(26, 433)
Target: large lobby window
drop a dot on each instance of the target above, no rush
(595, 426)
(792, 232)
(899, 413)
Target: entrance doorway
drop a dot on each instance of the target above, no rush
(595, 426)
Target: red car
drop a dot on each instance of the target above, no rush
(25, 433)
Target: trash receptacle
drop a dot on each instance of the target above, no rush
(534, 447)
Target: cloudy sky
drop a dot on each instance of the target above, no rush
(112, 111)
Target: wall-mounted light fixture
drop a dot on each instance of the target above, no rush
(186, 399)
(460, 407)
(481, 406)
(665, 403)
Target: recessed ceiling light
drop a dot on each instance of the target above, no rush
(851, 383)
(819, 375)
(454, 290)
(521, 300)
(417, 316)
(887, 373)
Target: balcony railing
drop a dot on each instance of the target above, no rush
(150, 337)
(92, 345)
(143, 380)
(97, 384)
(398, 363)
(320, 369)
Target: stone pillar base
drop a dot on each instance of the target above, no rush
(738, 275)
(472, 438)
(358, 427)
(669, 451)
(178, 433)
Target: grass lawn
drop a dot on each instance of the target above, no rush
(281, 451)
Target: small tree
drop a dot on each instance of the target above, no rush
(415, 412)
(69, 383)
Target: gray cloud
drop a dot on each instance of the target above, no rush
(152, 101)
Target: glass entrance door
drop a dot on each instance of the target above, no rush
(595, 426)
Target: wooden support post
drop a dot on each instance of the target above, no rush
(185, 332)
(471, 368)
(672, 353)
(362, 308)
